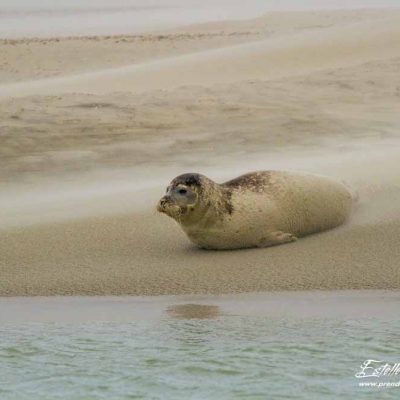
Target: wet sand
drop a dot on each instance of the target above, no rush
(90, 140)
(354, 304)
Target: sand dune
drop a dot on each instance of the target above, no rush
(37, 58)
(86, 155)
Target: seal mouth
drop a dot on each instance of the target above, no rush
(164, 205)
(168, 207)
(160, 208)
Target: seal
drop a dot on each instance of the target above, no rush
(258, 209)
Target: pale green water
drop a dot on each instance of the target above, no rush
(197, 352)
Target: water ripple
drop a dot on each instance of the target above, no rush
(215, 357)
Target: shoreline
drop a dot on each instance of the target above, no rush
(358, 304)
(212, 27)
(44, 20)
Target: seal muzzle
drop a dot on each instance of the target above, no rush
(163, 203)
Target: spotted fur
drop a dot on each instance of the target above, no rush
(253, 181)
(189, 179)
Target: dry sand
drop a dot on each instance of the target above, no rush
(94, 128)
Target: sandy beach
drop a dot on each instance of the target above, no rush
(94, 127)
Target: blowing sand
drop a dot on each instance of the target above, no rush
(93, 128)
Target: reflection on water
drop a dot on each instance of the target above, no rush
(189, 311)
(191, 331)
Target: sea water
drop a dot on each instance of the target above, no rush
(197, 349)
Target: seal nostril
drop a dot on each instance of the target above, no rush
(163, 201)
(161, 205)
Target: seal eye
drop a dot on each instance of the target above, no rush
(182, 191)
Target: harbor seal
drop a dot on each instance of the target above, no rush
(258, 209)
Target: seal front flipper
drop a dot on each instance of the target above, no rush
(275, 238)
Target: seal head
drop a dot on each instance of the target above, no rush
(182, 195)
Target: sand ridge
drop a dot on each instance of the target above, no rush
(292, 55)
